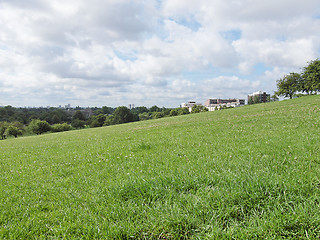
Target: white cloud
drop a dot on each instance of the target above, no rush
(148, 51)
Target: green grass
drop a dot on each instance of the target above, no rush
(246, 173)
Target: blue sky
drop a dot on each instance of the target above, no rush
(150, 52)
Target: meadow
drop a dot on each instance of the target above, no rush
(246, 173)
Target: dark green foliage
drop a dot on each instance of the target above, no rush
(122, 115)
(13, 131)
(274, 98)
(166, 111)
(173, 112)
(307, 82)
(311, 77)
(256, 99)
(3, 128)
(61, 127)
(198, 109)
(156, 115)
(97, 121)
(78, 115)
(109, 120)
(38, 127)
(183, 111)
(288, 85)
(76, 123)
(145, 116)
(155, 109)
(107, 110)
(140, 110)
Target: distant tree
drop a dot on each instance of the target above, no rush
(310, 80)
(60, 127)
(288, 85)
(198, 109)
(38, 127)
(79, 116)
(55, 119)
(145, 116)
(156, 115)
(183, 111)
(9, 110)
(173, 112)
(122, 115)
(155, 109)
(274, 98)
(109, 120)
(13, 131)
(166, 111)
(3, 128)
(98, 121)
(107, 110)
(18, 125)
(76, 123)
(256, 99)
(140, 109)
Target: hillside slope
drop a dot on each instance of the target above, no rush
(250, 172)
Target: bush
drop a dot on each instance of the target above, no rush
(60, 127)
(122, 115)
(156, 115)
(144, 116)
(13, 131)
(109, 120)
(76, 123)
(3, 128)
(38, 127)
(198, 109)
(173, 112)
(97, 121)
(183, 111)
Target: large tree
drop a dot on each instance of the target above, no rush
(310, 81)
(79, 116)
(13, 131)
(122, 115)
(3, 128)
(38, 127)
(288, 85)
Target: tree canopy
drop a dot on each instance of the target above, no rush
(307, 82)
(288, 85)
(311, 77)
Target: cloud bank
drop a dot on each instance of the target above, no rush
(150, 52)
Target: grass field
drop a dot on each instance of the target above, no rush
(249, 172)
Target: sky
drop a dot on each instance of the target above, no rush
(150, 52)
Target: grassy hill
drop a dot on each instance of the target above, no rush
(249, 172)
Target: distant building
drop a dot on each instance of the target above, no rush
(189, 105)
(258, 97)
(131, 106)
(217, 103)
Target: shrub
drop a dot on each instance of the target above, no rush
(13, 131)
(156, 115)
(76, 123)
(38, 127)
(60, 127)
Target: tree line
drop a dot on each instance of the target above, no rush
(20, 121)
(306, 82)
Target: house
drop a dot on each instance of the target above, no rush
(217, 103)
(258, 97)
(189, 105)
